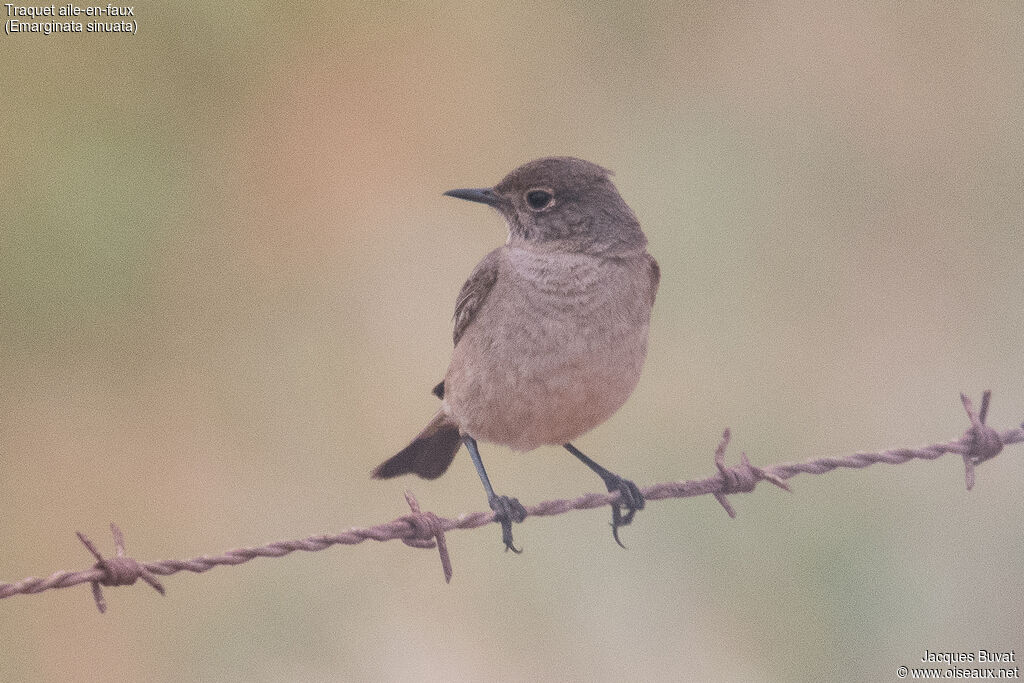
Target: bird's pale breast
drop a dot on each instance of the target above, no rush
(555, 350)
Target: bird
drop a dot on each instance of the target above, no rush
(550, 330)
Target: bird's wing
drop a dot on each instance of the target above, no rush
(655, 276)
(474, 292)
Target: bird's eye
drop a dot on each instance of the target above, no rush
(538, 199)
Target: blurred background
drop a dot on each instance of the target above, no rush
(226, 282)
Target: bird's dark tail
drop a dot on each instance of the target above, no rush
(429, 454)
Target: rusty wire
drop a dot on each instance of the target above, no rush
(426, 530)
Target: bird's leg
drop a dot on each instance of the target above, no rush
(506, 509)
(629, 493)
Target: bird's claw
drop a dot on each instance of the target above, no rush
(508, 510)
(629, 498)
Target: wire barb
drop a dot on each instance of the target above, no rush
(119, 570)
(985, 443)
(429, 533)
(426, 530)
(740, 478)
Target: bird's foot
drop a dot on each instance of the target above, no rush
(508, 510)
(629, 498)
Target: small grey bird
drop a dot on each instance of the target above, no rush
(550, 329)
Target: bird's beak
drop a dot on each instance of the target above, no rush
(483, 195)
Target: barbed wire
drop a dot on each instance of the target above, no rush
(426, 530)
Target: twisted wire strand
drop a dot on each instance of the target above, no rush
(426, 530)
